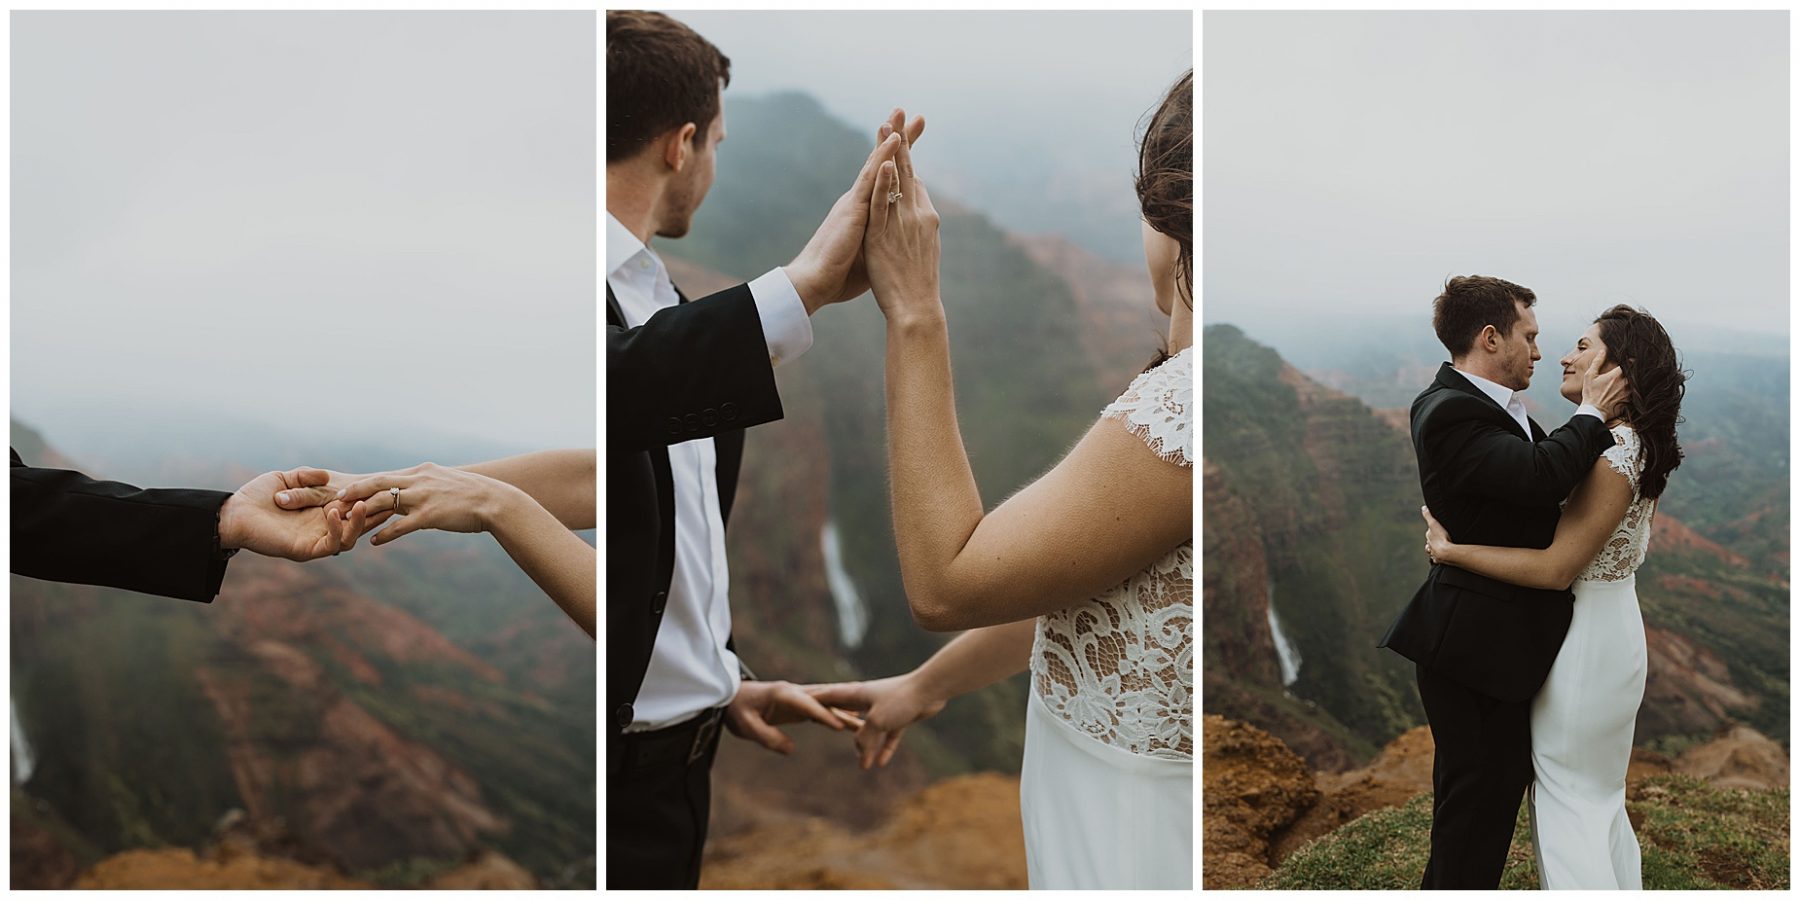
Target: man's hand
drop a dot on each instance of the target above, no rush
(762, 705)
(308, 528)
(830, 267)
(1606, 393)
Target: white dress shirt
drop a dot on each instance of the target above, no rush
(690, 669)
(1514, 402)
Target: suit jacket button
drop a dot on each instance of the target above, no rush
(674, 425)
(623, 714)
(728, 412)
(710, 418)
(693, 421)
(659, 602)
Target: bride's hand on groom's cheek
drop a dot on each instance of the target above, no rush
(762, 705)
(830, 268)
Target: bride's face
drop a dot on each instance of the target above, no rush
(1160, 254)
(1576, 362)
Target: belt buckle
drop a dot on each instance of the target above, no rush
(708, 727)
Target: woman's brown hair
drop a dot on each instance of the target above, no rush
(1640, 346)
(1165, 177)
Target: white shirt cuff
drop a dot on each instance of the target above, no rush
(1588, 409)
(786, 327)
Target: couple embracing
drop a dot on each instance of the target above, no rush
(1084, 577)
(1527, 635)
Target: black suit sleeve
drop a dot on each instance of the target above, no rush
(692, 371)
(69, 527)
(1483, 455)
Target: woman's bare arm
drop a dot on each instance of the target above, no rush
(1591, 516)
(453, 499)
(561, 481)
(1106, 511)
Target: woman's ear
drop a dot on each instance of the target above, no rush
(1160, 255)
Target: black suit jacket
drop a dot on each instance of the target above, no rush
(69, 527)
(1489, 485)
(695, 370)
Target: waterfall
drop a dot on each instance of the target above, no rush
(22, 763)
(852, 615)
(1284, 648)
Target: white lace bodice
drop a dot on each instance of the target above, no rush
(1622, 553)
(1120, 667)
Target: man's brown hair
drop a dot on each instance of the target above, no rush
(660, 75)
(1470, 303)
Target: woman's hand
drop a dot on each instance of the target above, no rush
(830, 268)
(1437, 541)
(889, 705)
(431, 496)
(901, 246)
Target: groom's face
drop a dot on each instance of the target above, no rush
(689, 186)
(1519, 351)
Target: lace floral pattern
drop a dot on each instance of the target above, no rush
(1120, 667)
(1622, 553)
(1158, 407)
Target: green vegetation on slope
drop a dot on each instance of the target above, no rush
(1739, 613)
(131, 752)
(1693, 836)
(1334, 495)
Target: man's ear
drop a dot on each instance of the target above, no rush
(1488, 339)
(678, 146)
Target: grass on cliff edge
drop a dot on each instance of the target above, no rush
(1693, 836)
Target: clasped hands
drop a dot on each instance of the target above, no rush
(876, 713)
(306, 513)
(880, 234)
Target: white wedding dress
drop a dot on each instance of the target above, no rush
(1583, 718)
(1107, 786)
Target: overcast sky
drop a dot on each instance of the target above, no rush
(372, 221)
(1353, 160)
(1031, 117)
